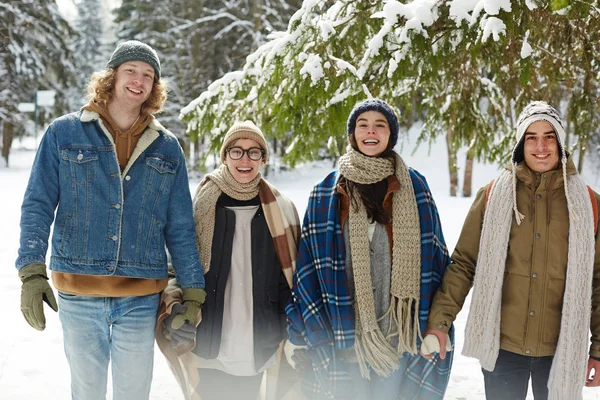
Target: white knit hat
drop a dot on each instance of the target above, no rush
(244, 130)
(538, 111)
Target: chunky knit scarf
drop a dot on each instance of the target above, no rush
(280, 215)
(482, 333)
(373, 348)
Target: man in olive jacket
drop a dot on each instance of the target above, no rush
(530, 249)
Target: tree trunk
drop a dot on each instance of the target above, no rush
(468, 177)
(582, 150)
(452, 169)
(7, 138)
(194, 151)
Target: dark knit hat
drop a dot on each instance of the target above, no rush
(379, 106)
(133, 50)
(539, 111)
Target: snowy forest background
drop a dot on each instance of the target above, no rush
(458, 72)
(461, 69)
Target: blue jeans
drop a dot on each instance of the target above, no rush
(510, 377)
(97, 330)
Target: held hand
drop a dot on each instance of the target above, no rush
(435, 341)
(593, 380)
(184, 335)
(296, 356)
(192, 300)
(34, 291)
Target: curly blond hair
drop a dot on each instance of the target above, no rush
(101, 84)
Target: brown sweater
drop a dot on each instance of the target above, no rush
(112, 286)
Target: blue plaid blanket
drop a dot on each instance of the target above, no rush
(321, 313)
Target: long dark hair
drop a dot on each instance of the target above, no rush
(371, 195)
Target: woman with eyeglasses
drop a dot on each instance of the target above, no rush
(247, 235)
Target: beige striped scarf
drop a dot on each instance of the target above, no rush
(280, 214)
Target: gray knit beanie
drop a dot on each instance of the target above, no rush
(539, 111)
(133, 50)
(379, 106)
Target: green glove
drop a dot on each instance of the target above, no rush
(192, 299)
(34, 290)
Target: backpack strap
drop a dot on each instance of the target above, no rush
(594, 208)
(489, 190)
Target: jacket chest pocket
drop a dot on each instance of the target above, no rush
(160, 173)
(80, 163)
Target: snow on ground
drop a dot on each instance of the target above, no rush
(32, 363)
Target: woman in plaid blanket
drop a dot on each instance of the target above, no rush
(247, 235)
(371, 257)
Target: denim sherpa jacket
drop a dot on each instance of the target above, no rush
(109, 222)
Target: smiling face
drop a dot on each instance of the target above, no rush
(541, 147)
(133, 84)
(243, 170)
(372, 133)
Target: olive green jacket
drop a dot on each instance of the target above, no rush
(536, 264)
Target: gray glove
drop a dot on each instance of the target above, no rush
(185, 334)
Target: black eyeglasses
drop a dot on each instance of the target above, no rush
(254, 153)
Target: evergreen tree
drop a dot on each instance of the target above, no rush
(34, 55)
(466, 68)
(199, 41)
(88, 45)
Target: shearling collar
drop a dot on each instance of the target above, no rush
(152, 132)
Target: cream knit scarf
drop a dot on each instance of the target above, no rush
(205, 202)
(372, 346)
(482, 333)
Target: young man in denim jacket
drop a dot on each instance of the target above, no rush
(118, 183)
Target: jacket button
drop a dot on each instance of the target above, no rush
(117, 206)
(539, 196)
(128, 178)
(537, 236)
(110, 268)
(79, 156)
(534, 275)
(113, 237)
(531, 313)
(544, 176)
(527, 351)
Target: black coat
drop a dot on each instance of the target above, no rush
(270, 291)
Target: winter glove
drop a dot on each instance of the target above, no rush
(185, 334)
(193, 299)
(435, 342)
(34, 290)
(296, 356)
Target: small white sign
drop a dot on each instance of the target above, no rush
(26, 107)
(45, 97)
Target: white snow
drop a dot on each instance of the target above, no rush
(313, 67)
(32, 363)
(492, 26)
(526, 49)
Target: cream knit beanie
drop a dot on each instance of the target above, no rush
(244, 130)
(538, 111)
